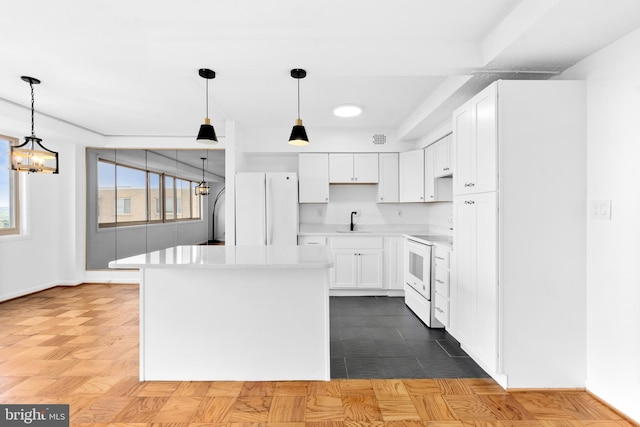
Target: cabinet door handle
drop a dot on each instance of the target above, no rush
(469, 202)
(440, 258)
(439, 281)
(431, 197)
(421, 198)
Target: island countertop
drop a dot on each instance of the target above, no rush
(230, 257)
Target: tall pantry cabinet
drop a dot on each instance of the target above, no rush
(518, 274)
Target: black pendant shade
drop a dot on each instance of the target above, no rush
(207, 133)
(298, 133)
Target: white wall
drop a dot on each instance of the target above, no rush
(613, 247)
(51, 249)
(362, 198)
(323, 140)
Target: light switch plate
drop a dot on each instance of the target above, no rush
(600, 209)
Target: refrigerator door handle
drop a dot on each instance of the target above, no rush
(268, 203)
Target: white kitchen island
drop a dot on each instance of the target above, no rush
(246, 313)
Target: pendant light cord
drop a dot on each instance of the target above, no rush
(207, 100)
(298, 98)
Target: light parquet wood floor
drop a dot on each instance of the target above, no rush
(79, 346)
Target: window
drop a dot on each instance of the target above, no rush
(131, 193)
(195, 201)
(9, 200)
(183, 198)
(155, 194)
(130, 196)
(123, 206)
(169, 205)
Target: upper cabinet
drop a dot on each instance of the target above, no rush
(412, 176)
(388, 185)
(437, 186)
(475, 141)
(429, 174)
(442, 166)
(353, 168)
(313, 183)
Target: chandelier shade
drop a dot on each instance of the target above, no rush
(202, 189)
(31, 156)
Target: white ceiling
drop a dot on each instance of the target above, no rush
(129, 67)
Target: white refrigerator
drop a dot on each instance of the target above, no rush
(266, 208)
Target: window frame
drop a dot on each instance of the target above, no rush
(14, 189)
(148, 196)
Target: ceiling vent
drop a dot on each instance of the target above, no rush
(379, 138)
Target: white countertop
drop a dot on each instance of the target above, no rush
(398, 230)
(230, 257)
(437, 240)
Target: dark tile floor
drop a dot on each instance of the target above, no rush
(379, 337)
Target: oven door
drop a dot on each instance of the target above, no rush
(417, 267)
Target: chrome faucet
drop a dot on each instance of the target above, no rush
(352, 225)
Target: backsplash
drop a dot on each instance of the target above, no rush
(345, 199)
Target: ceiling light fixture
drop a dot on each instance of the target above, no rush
(202, 189)
(32, 156)
(207, 133)
(347, 110)
(298, 133)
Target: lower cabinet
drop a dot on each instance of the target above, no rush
(394, 264)
(474, 291)
(357, 262)
(442, 258)
(364, 263)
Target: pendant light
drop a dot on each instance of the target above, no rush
(207, 133)
(32, 156)
(298, 134)
(202, 189)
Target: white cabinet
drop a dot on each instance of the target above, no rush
(442, 288)
(475, 141)
(518, 266)
(388, 178)
(312, 240)
(394, 263)
(436, 189)
(313, 172)
(443, 157)
(353, 168)
(357, 262)
(475, 291)
(429, 174)
(412, 176)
